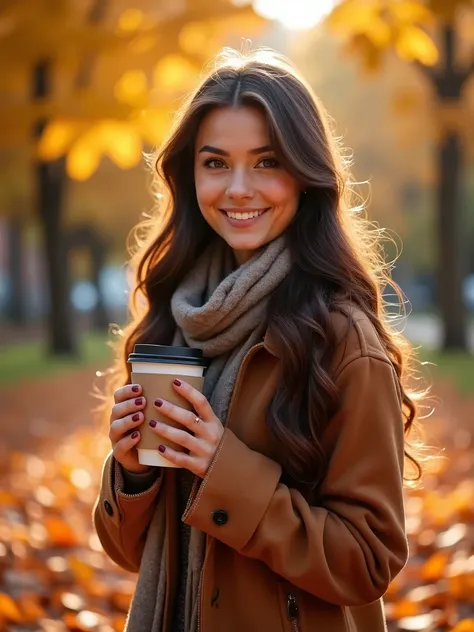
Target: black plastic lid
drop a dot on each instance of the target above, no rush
(167, 355)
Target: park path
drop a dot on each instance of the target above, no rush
(39, 409)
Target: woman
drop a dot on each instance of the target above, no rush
(287, 510)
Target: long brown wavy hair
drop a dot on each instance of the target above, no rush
(336, 255)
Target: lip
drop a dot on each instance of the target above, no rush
(243, 223)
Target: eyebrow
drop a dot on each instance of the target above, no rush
(215, 150)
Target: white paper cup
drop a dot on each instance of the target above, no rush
(155, 367)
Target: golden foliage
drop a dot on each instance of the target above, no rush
(136, 67)
(402, 25)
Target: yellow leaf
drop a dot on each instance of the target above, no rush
(353, 16)
(379, 32)
(153, 125)
(413, 44)
(132, 88)
(194, 37)
(410, 11)
(56, 139)
(9, 609)
(82, 160)
(174, 73)
(130, 20)
(123, 146)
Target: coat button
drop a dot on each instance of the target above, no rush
(108, 508)
(220, 517)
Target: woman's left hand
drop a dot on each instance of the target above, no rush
(207, 432)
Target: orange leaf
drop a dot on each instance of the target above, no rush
(59, 532)
(31, 608)
(435, 567)
(9, 609)
(466, 625)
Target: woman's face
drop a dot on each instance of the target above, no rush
(244, 194)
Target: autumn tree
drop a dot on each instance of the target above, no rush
(426, 34)
(85, 80)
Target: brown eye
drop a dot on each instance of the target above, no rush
(269, 163)
(214, 163)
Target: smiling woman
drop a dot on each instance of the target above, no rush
(243, 191)
(282, 509)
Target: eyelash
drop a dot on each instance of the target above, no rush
(209, 161)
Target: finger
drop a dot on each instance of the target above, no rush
(194, 465)
(195, 398)
(129, 391)
(185, 417)
(123, 447)
(120, 426)
(127, 407)
(180, 437)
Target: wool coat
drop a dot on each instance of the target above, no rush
(275, 561)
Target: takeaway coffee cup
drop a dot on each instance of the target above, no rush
(155, 367)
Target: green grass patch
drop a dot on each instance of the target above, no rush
(31, 359)
(456, 366)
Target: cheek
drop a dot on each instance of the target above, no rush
(208, 190)
(283, 191)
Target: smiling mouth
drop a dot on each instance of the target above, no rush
(246, 214)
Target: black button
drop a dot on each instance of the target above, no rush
(108, 508)
(220, 517)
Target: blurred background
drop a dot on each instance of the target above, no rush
(87, 88)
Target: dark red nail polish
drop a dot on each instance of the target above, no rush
(136, 417)
(177, 382)
(134, 435)
(135, 388)
(161, 447)
(152, 423)
(139, 401)
(158, 402)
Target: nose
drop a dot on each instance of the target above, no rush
(240, 186)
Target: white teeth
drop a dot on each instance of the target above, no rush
(244, 216)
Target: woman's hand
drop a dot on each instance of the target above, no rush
(207, 433)
(125, 418)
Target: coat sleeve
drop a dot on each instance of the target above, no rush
(347, 549)
(121, 520)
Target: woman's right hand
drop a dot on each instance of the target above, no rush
(126, 416)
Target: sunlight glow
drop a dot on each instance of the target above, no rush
(294, 14)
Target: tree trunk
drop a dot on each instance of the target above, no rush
(50, 183)
(451, 267)
(16, 311)
(449, 83)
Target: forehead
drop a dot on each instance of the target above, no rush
(234, 128)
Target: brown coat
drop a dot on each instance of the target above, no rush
(273, 562)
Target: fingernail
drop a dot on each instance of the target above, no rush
(152, 423)
(139, 401)
(177, 382)
(158, 402)
(135, 388)
(161, 447)
(134, 435)
(136, 417)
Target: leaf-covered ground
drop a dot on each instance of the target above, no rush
(54, 576)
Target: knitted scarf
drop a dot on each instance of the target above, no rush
(222, 311)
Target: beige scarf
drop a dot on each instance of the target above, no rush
(223, 312)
